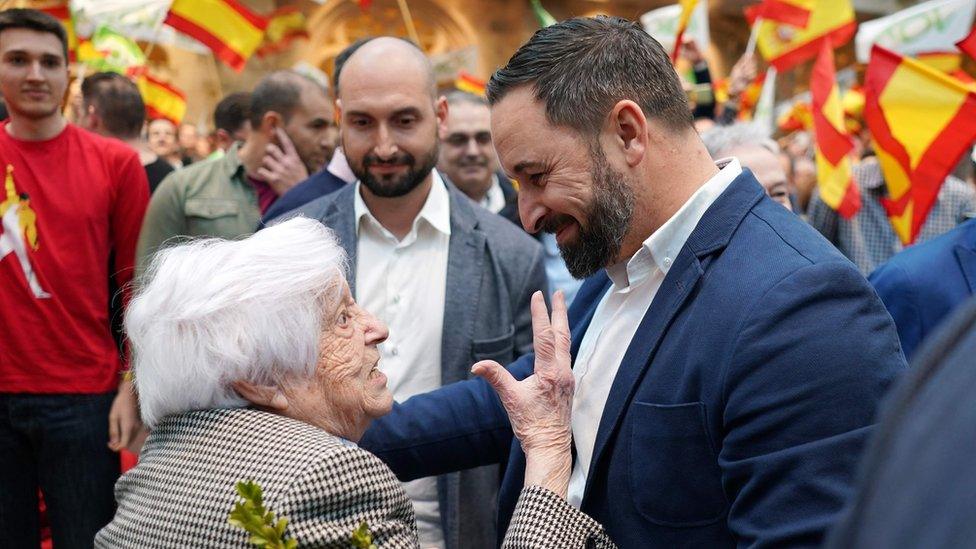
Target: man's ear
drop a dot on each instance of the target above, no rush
(440, 109)
(269, 123)
(262, 396)
(94, 121)
(628, 128)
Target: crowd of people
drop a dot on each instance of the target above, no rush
(344, 295)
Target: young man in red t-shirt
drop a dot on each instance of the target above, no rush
(70, 201)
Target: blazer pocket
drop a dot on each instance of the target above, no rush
(674, 475)
(499, 349)
(211, 208)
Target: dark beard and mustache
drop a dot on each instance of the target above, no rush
(608, 218)
(395, 186)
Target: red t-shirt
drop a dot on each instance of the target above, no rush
(66, 205)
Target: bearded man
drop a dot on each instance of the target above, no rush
(728, 361)
(451, 280)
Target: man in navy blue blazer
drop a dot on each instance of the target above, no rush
(317, 185)
(728, 360)
(922, 285)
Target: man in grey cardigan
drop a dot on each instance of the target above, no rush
(451, 280)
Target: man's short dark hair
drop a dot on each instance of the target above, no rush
(34, 20)
(580, 68)
(117, 102)
(280, 92)
(232, 112)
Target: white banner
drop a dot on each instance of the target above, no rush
(137, 19)
(934, 26)
(662, 24)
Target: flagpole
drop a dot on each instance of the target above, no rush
(753, 36)
(408, 22)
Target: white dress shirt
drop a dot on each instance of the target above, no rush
(403, 283)
(494, 200)
(615, 321)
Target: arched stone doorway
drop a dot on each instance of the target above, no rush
(444, 33)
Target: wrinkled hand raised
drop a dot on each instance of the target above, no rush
(540, 406)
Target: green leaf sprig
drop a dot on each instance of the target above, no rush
(362, 538)
(249, 513)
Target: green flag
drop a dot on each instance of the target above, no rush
(545, 18)
(109, 50)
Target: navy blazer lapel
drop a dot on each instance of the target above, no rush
(967, 262)
(463, 290)
(577, 330)
(712, 233)
(677, 285)
(340, 216)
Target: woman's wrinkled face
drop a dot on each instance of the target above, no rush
(353, 386)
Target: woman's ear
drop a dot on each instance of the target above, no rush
(263, 396)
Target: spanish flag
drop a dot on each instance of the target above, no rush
(798, 117)
(687, 9)
(789, 12)
(162, 100)
(968, 44)
(467, 82)
(833, 145)
(284, 25)
(922, 122)
(63, 15)
(785, 46)
(229, 29)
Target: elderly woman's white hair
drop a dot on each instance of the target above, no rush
(721, 141)
(214, 311)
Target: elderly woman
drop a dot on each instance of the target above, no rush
(253, 362)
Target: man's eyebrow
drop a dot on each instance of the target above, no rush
(524, 165)
(408, 110)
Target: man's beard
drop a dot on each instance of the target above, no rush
(608, 218)
(393, 186)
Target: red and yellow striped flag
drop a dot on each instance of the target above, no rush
(833, 145)
(968, 44)
(229, 29)
(467, 82)
(922, 122)
(687, 9)
(785, 46)
(284, 25)
(943, 61)
(63, 15)
(790, 12)
(162, 100)
(799, 117)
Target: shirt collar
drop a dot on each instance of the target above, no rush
(339, 166)
(232, 160)
(436, 210)
(662, 247)
(494, 200)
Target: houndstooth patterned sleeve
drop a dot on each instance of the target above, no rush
(544, 520)
(344, 488)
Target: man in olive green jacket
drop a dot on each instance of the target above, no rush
(224, 197)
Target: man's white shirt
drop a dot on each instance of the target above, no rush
(403, 283)
(619, 313)
(494, 200)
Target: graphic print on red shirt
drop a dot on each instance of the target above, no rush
(68, 204)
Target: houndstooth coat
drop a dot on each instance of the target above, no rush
(182, 491)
